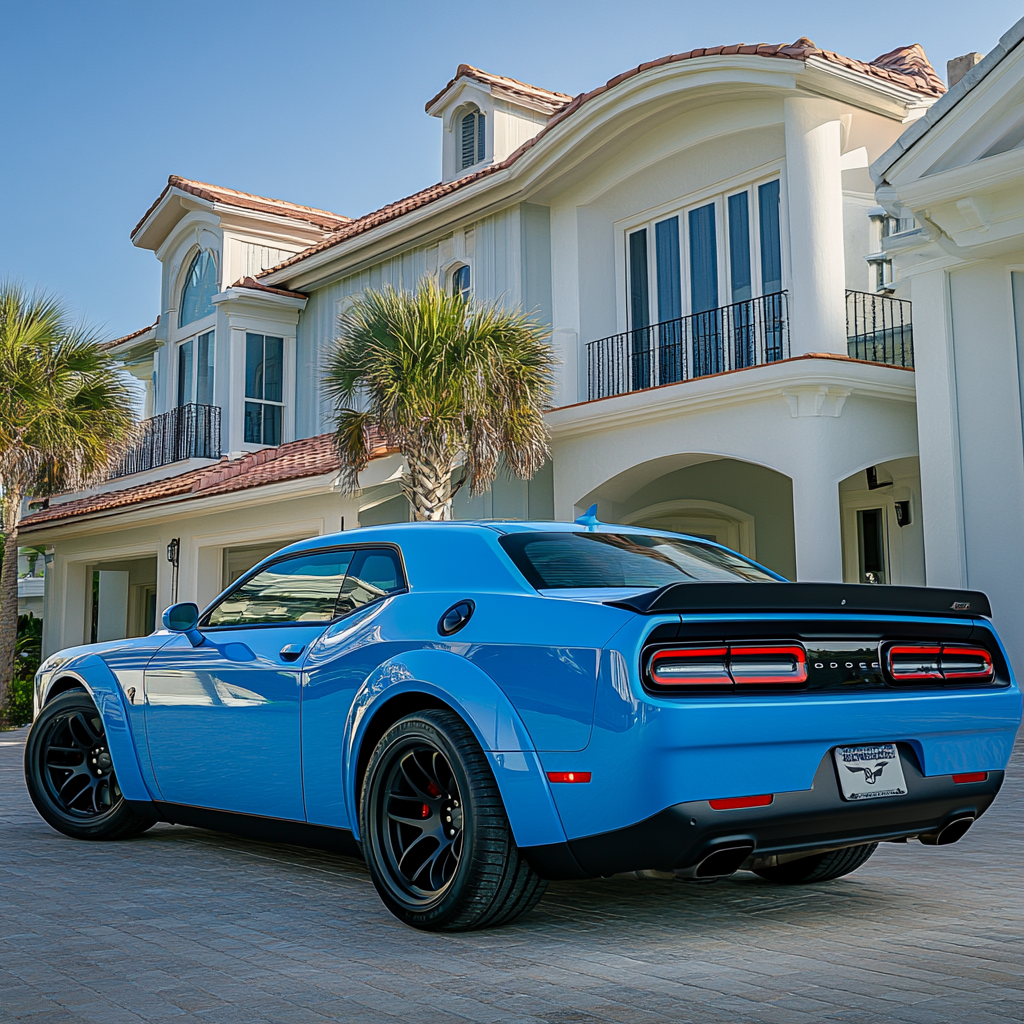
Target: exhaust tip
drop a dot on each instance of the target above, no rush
(723, 861)
(951, 832)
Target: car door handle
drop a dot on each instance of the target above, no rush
(291, 651)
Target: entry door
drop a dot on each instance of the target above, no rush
(222, 719)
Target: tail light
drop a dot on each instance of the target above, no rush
(722, 667)
(939, 663)
(691, 666)
(767, 665)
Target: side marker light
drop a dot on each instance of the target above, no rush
(732, 802)
(970, 777)
(568, 776)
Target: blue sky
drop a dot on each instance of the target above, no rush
(320, 101)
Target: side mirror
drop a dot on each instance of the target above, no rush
(184, 618)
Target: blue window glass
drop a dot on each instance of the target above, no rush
(204, 369)
(739, 247)
(703, 259)
(639, 311)
(264, 374)
(460, 283)
(185, 373)
(199, 289)
(670, 301)
(771, 238)
(707, 318)
(741, 312)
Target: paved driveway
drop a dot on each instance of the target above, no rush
(182, 924)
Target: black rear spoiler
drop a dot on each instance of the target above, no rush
(807, 597)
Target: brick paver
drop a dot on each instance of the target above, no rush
(181, 924)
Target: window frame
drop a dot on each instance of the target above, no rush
(453, 273)
(194, 382)
(717, 195)
(281, 405)
(263, 566)
(183, 285)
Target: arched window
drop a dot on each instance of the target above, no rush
(199, 290)
(473, 129)
(460, 282)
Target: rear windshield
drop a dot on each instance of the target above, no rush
(556, 561)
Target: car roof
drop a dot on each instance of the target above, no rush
(394, 532)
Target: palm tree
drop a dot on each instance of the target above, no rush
(439, 381)
(66, 414)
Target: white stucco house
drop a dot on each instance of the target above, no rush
(957, 177)
(702, 235)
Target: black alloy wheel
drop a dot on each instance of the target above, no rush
(435, 834)
(70, 773)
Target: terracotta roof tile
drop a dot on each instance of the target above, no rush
(311, 456)
(128, 337)
(247, 201)
(513, 85)
(251, 282)
(906, 66)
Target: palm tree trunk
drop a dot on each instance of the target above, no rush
(428, 485)
(11, 506)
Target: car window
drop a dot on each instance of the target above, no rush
(552, 561)
(304, 588)
(373, 574)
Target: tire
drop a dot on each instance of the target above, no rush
(81, 801)
(434, 831)
(819, 867)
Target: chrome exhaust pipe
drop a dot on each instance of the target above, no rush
(951, 832)
(718, 862)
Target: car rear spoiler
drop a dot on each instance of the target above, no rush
(807, 597)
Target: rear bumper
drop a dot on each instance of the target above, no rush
(682, 836)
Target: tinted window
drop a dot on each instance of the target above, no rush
(564, 560)
(373, 574)
(300, 589)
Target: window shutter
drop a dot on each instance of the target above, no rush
(481, 137)
(468, 140)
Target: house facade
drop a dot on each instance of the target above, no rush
(702, 236)
(957, 177)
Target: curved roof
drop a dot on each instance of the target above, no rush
(906, 66)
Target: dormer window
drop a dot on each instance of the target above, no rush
(199, 289)
(473, 131)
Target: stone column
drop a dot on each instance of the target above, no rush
(815, 198)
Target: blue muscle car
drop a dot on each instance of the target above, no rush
(477, 708)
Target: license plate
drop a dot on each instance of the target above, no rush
(866, 773)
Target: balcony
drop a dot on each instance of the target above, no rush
(185, 432)
(879, 329)
(748, 333)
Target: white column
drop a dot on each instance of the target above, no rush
(815, 199)
(938, 433)
(816, 526)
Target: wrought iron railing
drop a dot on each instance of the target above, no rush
(185, 432)
(744, 334)
(879, 328)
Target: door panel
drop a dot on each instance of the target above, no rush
(222, 720)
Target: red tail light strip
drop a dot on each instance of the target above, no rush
(568, 776)
(720, 667)
(733, 802)
(916, 663)
(970, 777)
